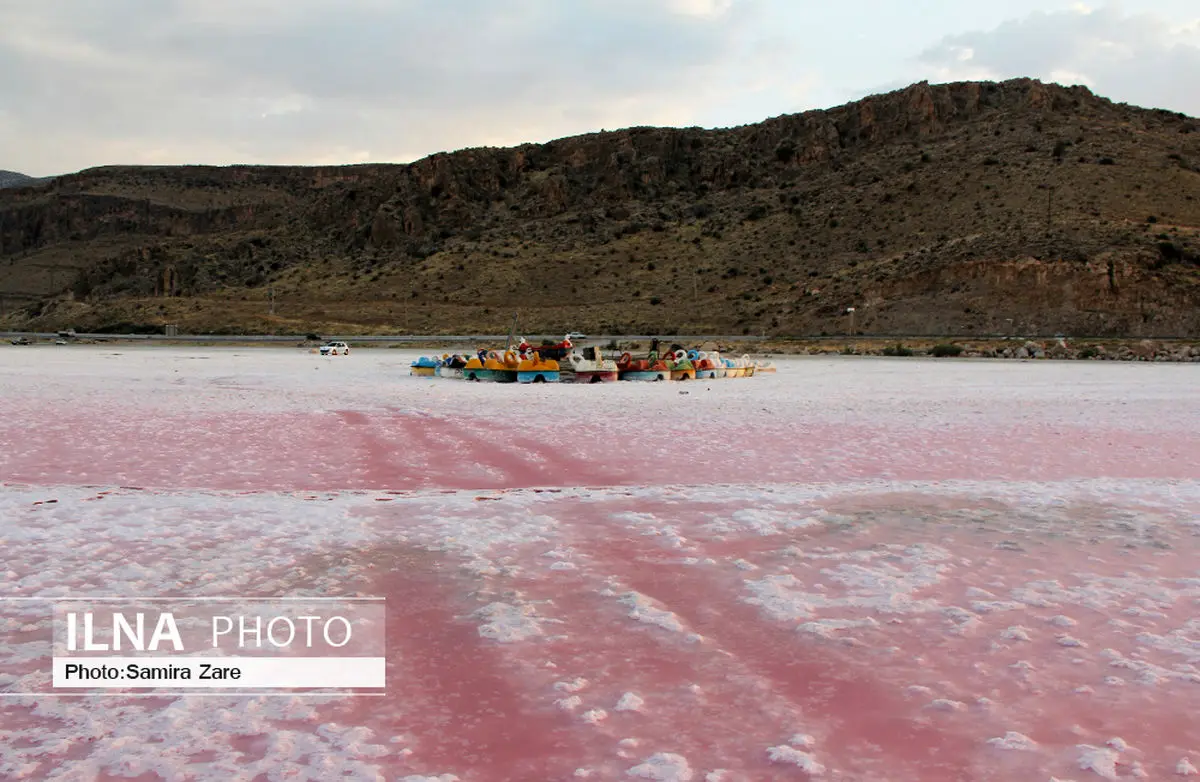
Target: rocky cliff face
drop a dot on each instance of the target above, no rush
(965, 208)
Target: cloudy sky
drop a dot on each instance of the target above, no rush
(95, 82)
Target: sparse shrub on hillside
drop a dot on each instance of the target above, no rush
(946, 350)
(1170, 252)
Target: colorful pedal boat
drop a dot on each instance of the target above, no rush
(453, 373)
(642, 370)
(494, 368)
(536, 369)
(597, 375)
(424, 367)
(736, 367)
(591, 367)
(681, 366)
(709, 366)
(646, 375)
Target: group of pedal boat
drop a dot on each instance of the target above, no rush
(545, 364)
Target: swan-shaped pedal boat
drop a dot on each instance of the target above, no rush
(591, 367)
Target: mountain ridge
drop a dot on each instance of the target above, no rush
(961, 208)
(16, 179)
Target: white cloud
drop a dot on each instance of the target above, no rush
(92, 82)
(278, 81)
(704, 8)
(1141, 58)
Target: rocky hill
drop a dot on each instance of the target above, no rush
(970, 208)
(14, 179)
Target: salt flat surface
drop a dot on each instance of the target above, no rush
(854, 569)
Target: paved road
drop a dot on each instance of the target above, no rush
(485, 338)
(360, 338)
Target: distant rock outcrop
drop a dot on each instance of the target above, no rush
(13, 179)
(970, 208)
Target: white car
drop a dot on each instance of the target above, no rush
(335, 349)
(574, 335)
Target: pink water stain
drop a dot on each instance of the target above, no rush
(915, 693)
(475, 714)
(907, 697)
(395, 450)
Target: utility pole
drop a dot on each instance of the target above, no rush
(1050, 208)
(512, 331)
(271, 298)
